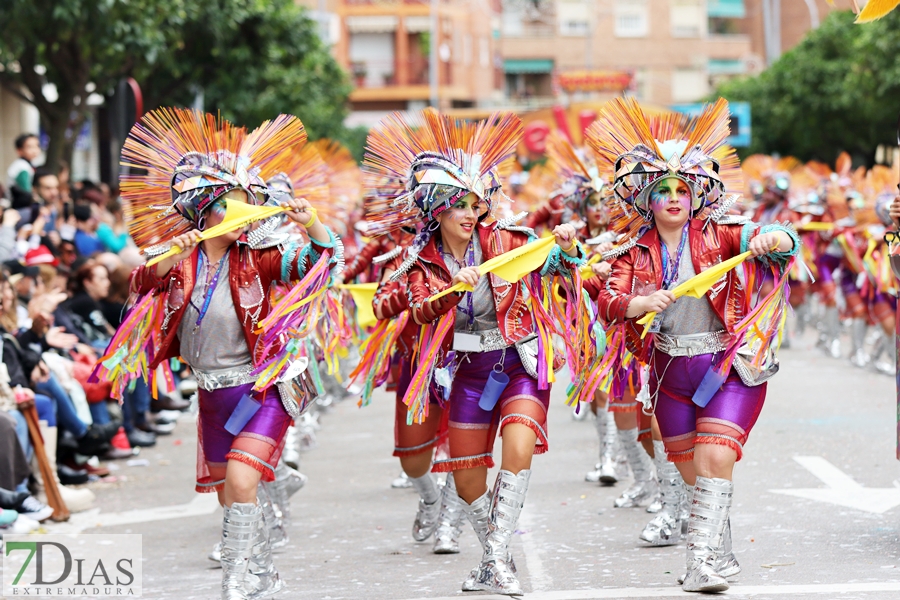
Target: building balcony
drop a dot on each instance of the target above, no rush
(735, 46)
(387, 80)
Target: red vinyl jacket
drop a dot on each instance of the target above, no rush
(638, 272)
(251, 273)
(429, 275)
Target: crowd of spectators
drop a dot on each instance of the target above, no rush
(66, 257)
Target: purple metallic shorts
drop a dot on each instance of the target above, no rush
(726, 420)
(472, 430)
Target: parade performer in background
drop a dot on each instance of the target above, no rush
(448, 170)
(206, 302)
(709, 355)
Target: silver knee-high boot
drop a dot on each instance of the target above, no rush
(277, 534)
(429, 507)
(494, 574)
(858, 355)
(262, 578)
(605, 471)
(830, 338)
(446, 537)
(239, 526)
(706, 529)
(665, 528)
(291, 452)
(644, 486)
(479, 515)
(287, 482)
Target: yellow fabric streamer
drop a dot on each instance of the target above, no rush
(876, 9)
(237, 214)
(510, 266)
(815, 226)
(586, 271)
(363, 294)
(698, 285)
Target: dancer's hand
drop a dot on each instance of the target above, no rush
(602, 270)
(764, 243)
(187, 242)
(299, 211)
(656, 302)
(565, 237)
(468, 276)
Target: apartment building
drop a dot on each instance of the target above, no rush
(385, 46)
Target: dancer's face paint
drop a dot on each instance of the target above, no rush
(670, 201)
(458, 222)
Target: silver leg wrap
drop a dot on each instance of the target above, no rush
(277, 534)
(494, 574)
(429, 507)
(706, 529)
(239, 526)
(446, 537)
(888, 365)
(644, 486)
(262, 579)
(665, 528)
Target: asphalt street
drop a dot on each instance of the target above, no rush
(815, 511)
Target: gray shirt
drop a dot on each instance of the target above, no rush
(482, 297)
(219, 343)
(689, 315)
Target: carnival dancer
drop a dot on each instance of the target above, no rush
(440, 511)
(211, 295)
(707, 372)
(583, 196)
(449, 171)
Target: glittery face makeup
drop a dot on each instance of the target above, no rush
(458, 221)
(667, 190)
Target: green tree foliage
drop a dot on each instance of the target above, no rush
(252, 59)
(79, 46)
(839, 89)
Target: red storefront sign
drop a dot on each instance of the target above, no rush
(595, 81)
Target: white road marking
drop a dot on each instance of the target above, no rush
(201, 504)
(537, 576)
(669, 592)
(842, 489)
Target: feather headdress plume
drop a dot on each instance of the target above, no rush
(417, 165)
(639, 151)
(186, 159)
(578, 176)
(344, 180)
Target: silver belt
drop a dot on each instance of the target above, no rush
(225, 378)
(692, 345)
(491, 340)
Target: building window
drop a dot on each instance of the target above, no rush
(687, 18)
(689, 85)
(632, 18)
(573, 17)
(574, 28)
